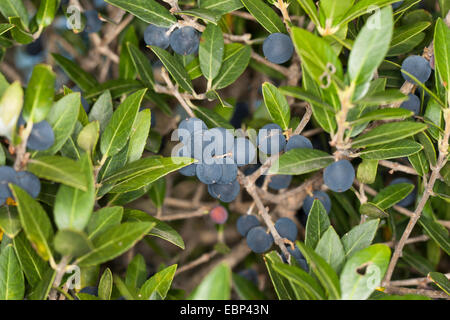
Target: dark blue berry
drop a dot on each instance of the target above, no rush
(7, 175)
(297, 142)
(224, 192)
(286, 228)
(412, 104)
(229, 173)
(245, 223)
(417, 66)
(29, 182)
(298, 256)
(85, 105)
(278, 48)
(41, 137)
(156, 36)
(34, 48)
(271, 139)
(244, 152)
(208, 173)
(93, 22)
(187, 127)
(90, 290)
(189, 171)
(241, 112)
(281, 181)
(220, 141)
(317, 195)
(185, 41)
(258, 240)
(339, 176)
(251, 169)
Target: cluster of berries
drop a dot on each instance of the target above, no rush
(183, 40)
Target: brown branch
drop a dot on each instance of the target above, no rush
(395, 166)
(204, 258)
(413, 282)
(423, 292)
(443, 152)
(60, 271)
(281, 69)
(187, 215)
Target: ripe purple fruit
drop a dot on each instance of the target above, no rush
(412, 104)
(286, 228)
(280, 181)
(7, 175)
(245, 223)
(271, 139)
(417, 66)
(208, 173)
(258, 240)
(156, 36)
(298, 256)
(244, 152)
(185, 41)
(41, 136)
(298, 141)
(93, 22)
(219, 215)
(278, 48)
(339, 176)
(317, 195)
(224, 192)
(29, 182)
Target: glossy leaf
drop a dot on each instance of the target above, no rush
(148, 10)
(301, 161)
(277, 105)
(175, 68)
(264, 15)
(114, 242)
(12, 282)
(158, 285)
(359, 237)
(388, 132)
(84, 80)
(331, 249)
(143, 172)
(118, 130)
(396, 149)
(215, 286)
(323, 271)
(235, 60)
(161, 229)
(369, 49)
(35, 222)
(317, 224)
(59, 169)
(392, 194)
(211, 51)
(39, 93)
(363, 272)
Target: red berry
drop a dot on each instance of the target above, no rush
(219, 215)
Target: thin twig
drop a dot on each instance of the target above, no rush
(395, 166)
(443, 152)
(423, 292)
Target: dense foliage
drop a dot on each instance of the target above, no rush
(232, 149)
